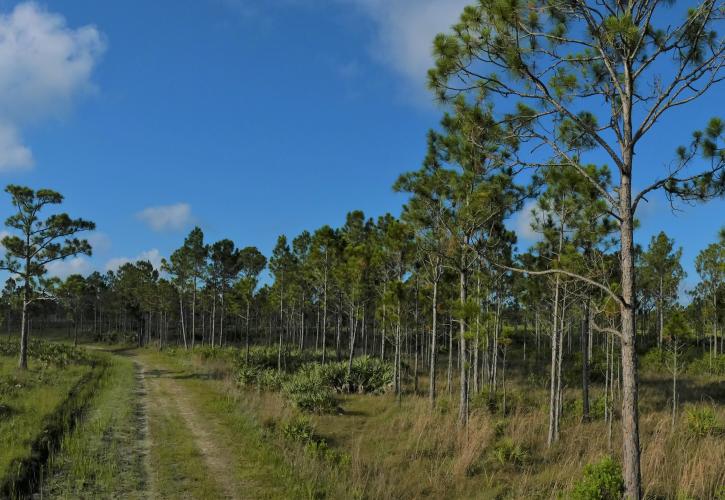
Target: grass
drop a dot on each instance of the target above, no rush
(257, 466)
(177, 466)
(408, 451)
(102, 457)
(31, 398)
(211, 438)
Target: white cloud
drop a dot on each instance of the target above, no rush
(64, 268)
(153, 256)
(521, 223)
(405, 30)
(44, 66)
(168, 217)
(13, 155)
(100, 242)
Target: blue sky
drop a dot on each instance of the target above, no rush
(250, 118)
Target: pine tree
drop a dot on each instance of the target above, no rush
(662, 273)
(594, 76)
(40, 242)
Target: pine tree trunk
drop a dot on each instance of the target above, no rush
(449, 386)
(585, 363)
(553, 370)
(353, 324)
(433, 348)
(463, 408)
(324, 320)
(674, 386)
(630, 409)
(246, 336)
(193, 316)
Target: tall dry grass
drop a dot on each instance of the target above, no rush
(409, 450)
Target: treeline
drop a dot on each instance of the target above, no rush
(376, 287)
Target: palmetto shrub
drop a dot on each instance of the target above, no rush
(702, 421)
(601, 481)
(308, 390)
(47, 353)
(367, 375)
(299, 429)
(370, 375)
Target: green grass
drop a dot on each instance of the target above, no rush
(177, 465)
(260, 467)
(31, 398)
(103, 457)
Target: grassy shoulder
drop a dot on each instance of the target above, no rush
(34, 403)
(103, 456)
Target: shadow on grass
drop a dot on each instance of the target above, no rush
(199, 376)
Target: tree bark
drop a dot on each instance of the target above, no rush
(585, 363)
(630, 409)
(433, 348)
(23, 362)
(463, 408)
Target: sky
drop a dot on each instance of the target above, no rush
(249, 118)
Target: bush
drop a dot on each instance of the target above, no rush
(707, 365)
(333, 375)
(367, 375)
(309, 392)
(47, 353)
(702, 421)
(574, 408)
(370, 375)
(270, 380)
(299, 429)
(266, 358)
(508, 452)
(208, 353)
(265, 379)
(443, 405)
(654, 360)
(247, 375)
(602, 481)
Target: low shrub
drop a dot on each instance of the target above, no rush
(46, 353)
(270, 380)
(308, 390)
(247, 375)
(443, 405)
(299, 429)
(264, 379)
(707, 364)
(208, 353)
(702, 421)
(370, 375)
(654, 360)
(574, 407)
(321, 451)
(268, 358)
(506, 452)
(601, 481)
(367, 375)
(333, 375)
